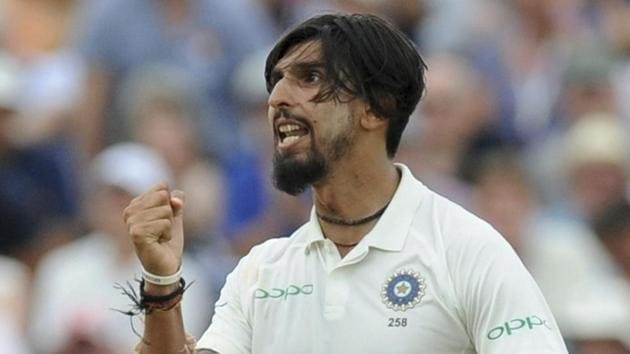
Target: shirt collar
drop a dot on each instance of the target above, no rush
(390, 232)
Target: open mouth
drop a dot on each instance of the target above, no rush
(290, 133)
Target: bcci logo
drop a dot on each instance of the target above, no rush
(403, 290)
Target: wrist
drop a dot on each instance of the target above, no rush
(161, 301)
(162, 280)
(154, 289)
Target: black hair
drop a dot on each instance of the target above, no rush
(364, 57)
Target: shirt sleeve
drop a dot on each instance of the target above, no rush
(230, 331)
(503, 309)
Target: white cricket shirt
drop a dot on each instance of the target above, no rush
(429, 278)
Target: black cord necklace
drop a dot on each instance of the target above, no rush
(344, 246)
(342, 222)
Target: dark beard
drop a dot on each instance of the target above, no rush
(293, 176)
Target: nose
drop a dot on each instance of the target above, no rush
(282, 95)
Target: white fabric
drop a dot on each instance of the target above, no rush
(478, 297)
(74, 295)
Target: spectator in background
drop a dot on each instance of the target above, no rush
(16, 230)
(503, 195)
(162, 111)
(36, 34)
(587, 92)
(523, 56)
(74, 285)
(587, 85)
(408, 15)
(32, 180)
(599, 319)
(597, 164)
(438, 142)
(205, 38)
(35, 28)
(615, 28)
(612, 227)
(602, 321)
(38, 172)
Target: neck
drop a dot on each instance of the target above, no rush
(352, 193)
(352, 222)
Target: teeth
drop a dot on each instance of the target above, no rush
(286, 128)
(290, 139)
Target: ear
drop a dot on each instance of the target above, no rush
(371, 121)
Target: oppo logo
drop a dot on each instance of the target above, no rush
(511, 326)
(278, 293)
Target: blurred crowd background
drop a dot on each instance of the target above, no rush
(525, 122)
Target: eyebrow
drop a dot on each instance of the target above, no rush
(300, 66)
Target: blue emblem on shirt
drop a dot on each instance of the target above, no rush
(403, 290)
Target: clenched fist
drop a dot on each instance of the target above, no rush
(154, 222)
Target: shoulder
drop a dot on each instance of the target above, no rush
(462, 241)
(452, 223)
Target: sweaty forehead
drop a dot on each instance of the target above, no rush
(307, 52)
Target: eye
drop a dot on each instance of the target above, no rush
(312, 77)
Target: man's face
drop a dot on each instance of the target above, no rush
(308, 136)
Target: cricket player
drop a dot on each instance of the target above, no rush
(384, 264)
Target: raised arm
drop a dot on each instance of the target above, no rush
(154, 221)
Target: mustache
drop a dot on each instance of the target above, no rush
(283, 112)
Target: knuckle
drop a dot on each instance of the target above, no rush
(162, 196)
(135, 233)
(127, 213)
(167, 224)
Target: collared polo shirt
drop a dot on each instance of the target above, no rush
(430, 277)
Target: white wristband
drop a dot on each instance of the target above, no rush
(162, 280)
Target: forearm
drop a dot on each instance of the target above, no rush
(154, 222)
(164, 330)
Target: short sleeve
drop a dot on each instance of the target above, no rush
(503, 309)
(230, 331)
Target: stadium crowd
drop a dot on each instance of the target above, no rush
(526, 121)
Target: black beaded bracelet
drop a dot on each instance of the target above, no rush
(148, 302)
(143, 303)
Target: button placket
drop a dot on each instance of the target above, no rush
(336, 295)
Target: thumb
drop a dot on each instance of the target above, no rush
(178, 198)
(177, 203)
